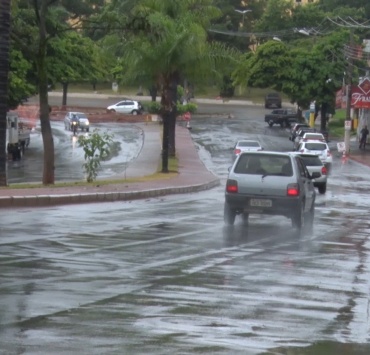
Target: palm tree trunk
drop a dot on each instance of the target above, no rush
(4, 69)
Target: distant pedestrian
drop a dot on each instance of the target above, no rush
(363, 137)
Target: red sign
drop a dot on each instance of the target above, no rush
(360, 97)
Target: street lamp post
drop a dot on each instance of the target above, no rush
(242, 12)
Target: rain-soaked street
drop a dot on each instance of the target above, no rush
(165, 276)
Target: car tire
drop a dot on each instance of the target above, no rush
(298, 218)
(271, 123)
(135, 112)
(229, 215)
(322, 189)
(283, 124)
(112, 110)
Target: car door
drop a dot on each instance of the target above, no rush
(306, 184)
(121, 107)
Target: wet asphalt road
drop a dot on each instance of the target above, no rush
(165, 276)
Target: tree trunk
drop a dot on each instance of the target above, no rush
(168, 110)
(173, 115)
(165, 142)
(153, 93)
(65, 91)
(4, 70)
(47, 136)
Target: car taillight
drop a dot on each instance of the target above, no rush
(324, 171)
(237, 151)
(292, 190)
(232, 186)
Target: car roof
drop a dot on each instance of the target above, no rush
(268, 152)
(77, 112)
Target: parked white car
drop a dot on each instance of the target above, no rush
(126, 106)
(308, 136)
(319, 148)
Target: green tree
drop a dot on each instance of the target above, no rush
(167, 42)
(35, 25)
(73, 58)
(4, 69)
(312, 71)
(19, 86)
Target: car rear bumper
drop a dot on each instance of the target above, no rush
(283, 206)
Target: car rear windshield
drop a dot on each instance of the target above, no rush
(312, 161)
(248, 144)
(315, 146)
(265, 164)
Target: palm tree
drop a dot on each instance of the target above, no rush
(169, 42)
(4, 69)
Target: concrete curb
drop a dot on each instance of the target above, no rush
(68, 199)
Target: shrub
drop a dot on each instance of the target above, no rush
(153, 107)
(96, 147)
(189, 107)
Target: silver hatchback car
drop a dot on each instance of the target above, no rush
(270, 183)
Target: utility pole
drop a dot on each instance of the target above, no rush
(348, 122)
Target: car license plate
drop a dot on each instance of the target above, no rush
(256, 202)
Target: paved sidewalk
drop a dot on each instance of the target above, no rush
(193, 176)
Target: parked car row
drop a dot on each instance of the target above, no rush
(307, 140)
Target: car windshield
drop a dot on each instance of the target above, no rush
(264, 164)
(248, 144)
(315, 146)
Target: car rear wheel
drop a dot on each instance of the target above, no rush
(229, 215)
(322, 188)
(271, 123)
(135, 112)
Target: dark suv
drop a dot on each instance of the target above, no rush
(273, 99)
